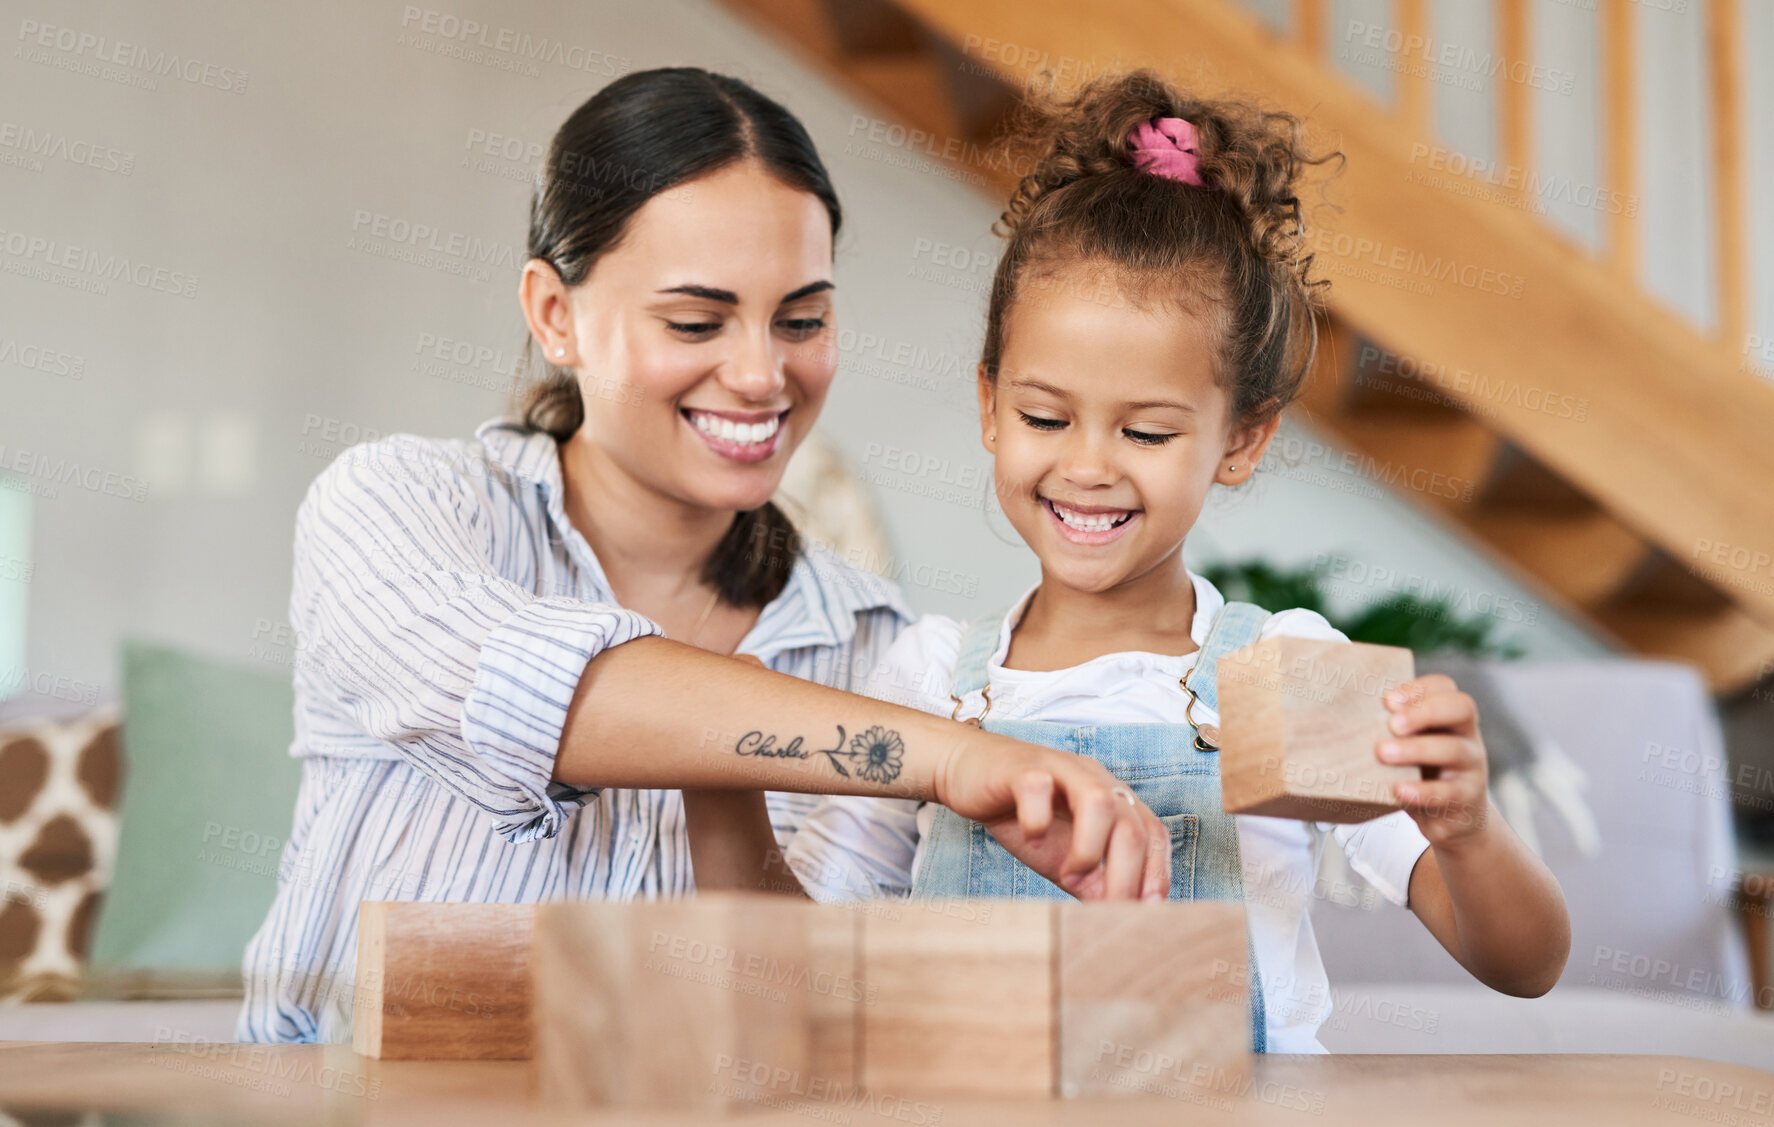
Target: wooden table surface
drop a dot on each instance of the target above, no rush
(330, 1084)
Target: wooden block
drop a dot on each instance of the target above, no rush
(1153, 998)
(443, 981)
(835, 1004)
(713, 1003)
(961, 999)
(1299, 719)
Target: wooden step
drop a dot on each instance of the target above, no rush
(1584, 557)
(1731, 649)
(915, 85)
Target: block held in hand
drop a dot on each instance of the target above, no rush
(1299, 721)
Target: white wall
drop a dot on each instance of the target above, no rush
(226, 404)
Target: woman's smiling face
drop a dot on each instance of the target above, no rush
(703, 339)
(1107, 428)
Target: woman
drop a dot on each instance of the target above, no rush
(489, 702)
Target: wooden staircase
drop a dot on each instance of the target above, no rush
(1618, 460)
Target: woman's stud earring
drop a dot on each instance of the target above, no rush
(559, 351)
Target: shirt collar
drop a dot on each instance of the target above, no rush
(1208, 604)
(817, 607)
(530, 455)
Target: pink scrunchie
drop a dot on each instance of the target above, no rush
(1166, 146)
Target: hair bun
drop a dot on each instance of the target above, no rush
(1167, 147)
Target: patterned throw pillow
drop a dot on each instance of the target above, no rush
(59, 783)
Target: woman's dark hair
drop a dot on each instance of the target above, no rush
(1233, 247)
(638, 136)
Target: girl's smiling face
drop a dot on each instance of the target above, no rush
(1107, 427)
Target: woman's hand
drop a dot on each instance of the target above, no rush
(1435, 727)
(1064, 816)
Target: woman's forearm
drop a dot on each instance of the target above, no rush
(657, 713)
(652, 713)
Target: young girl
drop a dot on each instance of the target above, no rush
(1150, 319)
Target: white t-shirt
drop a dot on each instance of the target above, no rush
(852, 848)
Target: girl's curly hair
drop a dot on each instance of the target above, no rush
(1233, 249)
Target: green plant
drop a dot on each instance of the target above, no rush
(1419, 624)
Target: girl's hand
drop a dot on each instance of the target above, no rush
(1435, 727)
(1064, 816)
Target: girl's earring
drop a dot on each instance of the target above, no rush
(559, 352)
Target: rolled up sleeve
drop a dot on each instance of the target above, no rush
(411, 635)
(1384, 851)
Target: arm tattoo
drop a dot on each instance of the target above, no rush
(876, 754)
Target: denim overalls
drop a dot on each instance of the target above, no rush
(1159, 762)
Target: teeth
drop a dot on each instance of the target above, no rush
(744, 434)
(1086, 522)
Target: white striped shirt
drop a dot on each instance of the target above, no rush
(444, 609)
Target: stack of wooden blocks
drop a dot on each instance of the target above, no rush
(733, 1000)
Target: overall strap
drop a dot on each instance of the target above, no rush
(1237, 626)
(979, 637)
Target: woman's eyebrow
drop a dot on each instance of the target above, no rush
(728, 297)
(709, 292)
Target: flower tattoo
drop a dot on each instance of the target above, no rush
(881, 752)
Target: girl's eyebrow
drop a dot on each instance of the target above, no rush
(728, 297)
(1171, 403)
(1037, 385)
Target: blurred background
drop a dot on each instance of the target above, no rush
(1537, 448)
